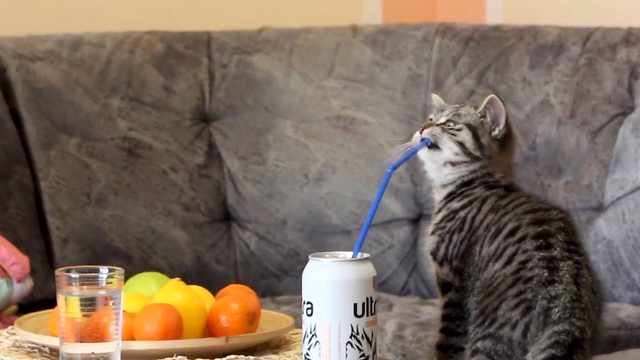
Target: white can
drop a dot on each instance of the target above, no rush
(339, 296)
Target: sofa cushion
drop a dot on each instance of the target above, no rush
(19, 221)
(614, 235)
(300, 100)
(632, 354)
(572, 95)
(307, 124)
(119, 134)
(408, 325)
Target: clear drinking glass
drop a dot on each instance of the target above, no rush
(89, 299)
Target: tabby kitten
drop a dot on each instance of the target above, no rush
(513, 276)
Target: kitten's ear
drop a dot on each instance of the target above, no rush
(495, 115)
(436, 102)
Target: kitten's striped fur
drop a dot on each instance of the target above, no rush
(513, 277)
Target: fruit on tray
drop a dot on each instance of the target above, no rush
(147, 282)
(189, 304)
(53, 324)
(236, 311)
(157, 307)
(127, 326)
(206, 296)
(158, 321)
(133, 301)
(97, 327)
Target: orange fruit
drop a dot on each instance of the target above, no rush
(248, 294)
(71, 330)
(70, 325)
(234, 289)
(99, 326)
(158, 321)
(234, 314)
(127, 325)
(53, 322)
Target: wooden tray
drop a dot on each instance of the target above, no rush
(34, 327)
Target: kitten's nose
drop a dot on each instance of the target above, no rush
(425, 127)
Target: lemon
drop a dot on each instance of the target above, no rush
(205, 295)
(71, 305)
(189, 304)
(134, 301)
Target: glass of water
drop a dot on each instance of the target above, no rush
(89, 299)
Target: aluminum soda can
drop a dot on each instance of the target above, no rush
(339, 296)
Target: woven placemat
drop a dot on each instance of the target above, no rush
(12, 347)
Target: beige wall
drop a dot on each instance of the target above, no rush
(625, 13)
(20, 17)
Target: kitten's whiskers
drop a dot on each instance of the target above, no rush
(402, 148)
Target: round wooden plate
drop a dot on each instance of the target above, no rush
(34, 327)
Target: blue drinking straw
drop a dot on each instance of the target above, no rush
(383, 186)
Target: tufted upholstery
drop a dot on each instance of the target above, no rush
(19, 220)
(230, 156)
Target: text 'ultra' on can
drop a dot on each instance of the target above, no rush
(339, 296)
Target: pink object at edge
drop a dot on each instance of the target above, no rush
(14, 261)
(7, 320)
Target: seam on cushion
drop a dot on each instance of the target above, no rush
(7, 93)
(626, 194)
(607, 204)
(433, 57)
(212, 144)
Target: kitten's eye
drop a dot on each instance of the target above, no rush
(431, 118)
(450, 124)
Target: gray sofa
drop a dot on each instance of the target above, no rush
(230, 156)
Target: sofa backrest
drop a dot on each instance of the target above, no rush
(231, 156)
(19, 219)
